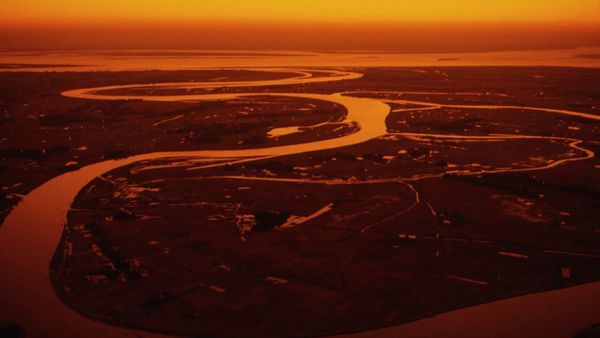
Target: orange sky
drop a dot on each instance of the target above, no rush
(301, 10)
(419, 25)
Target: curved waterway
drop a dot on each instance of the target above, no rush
(32, 231)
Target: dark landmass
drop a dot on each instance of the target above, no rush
(588, 56)
(45, 134)
(388, 231)
(12, 330)
(590, 332)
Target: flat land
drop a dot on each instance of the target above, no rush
(455, 206)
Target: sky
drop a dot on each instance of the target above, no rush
(354, 24)
(301, 10)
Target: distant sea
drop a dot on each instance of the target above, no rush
(119, 60)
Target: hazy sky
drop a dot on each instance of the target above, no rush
(301, 10)
(419, 25)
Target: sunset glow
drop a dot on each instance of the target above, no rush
(407, 26)
(37, 11)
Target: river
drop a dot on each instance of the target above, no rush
(32, 231)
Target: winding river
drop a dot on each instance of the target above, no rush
(32, 231)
